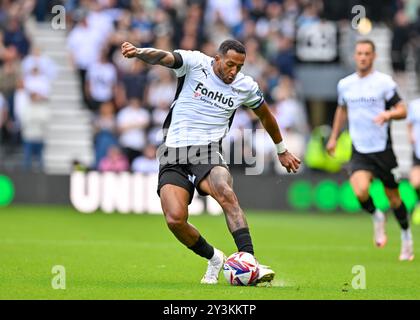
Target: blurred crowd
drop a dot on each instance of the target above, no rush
(128, 99)
(25, 83)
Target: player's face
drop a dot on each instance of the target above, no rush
(229, 65)
(364, 57)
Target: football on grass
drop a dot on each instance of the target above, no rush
(241, 269)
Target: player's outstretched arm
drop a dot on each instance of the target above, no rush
(340, 118)
(287, 159)
(148, 55)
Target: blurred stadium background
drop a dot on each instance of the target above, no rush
(79, 124)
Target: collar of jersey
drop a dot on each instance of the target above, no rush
(366, 76)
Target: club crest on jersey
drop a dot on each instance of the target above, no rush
(215, 95)
(236, 91)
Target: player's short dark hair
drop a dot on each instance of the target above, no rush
(231, 44)
(367, 41)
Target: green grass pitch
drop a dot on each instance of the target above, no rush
(136, 257)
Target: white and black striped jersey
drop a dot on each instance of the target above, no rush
(204, 105)
(365, 98)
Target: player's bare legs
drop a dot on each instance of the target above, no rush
(401, 214)
(219, 185)
(174, 202)
(360, 181)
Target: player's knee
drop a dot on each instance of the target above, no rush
(362, 193)
(415, 181)
(175, 221)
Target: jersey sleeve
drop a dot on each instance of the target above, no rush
(255, 98)
(189, 59)
(340, 94)
(391, 94)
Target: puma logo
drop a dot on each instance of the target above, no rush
(205, 72)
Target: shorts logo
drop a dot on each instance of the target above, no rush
(221, 157)
(191, 178)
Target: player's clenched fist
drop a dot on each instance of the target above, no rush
(128, 50)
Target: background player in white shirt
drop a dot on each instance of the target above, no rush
(209, 91)
(369, 100)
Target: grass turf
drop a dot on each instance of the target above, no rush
(136, 257)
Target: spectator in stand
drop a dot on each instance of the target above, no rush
(105, 129)
(45, 64)
(161, 89)
(399, 45)
(3, 116)
(81, 39)
(132, 122)
(15, 36)
(9, 77)
(147, 163)
(285, 57)
(41, 10)
(255, 63)
(133, 83)
(101, 82)
(37, 82)
(310, 13)
(158, 117)
(227, 12)
(33, 119)
(115, 161)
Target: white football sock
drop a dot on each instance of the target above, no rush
(378, 215)
(406, 235)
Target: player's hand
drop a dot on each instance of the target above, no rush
(382, 118)
(128, 50)
(332, 143)
(289, 161)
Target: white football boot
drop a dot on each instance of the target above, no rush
(407, 250)
(379, 221)
(265, 274)
(215, 264)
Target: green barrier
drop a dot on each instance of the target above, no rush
(328, 195)
(7, 191)
(299, 195)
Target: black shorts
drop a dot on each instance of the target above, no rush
(379, 163)
(186, 167)
(416, 161)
